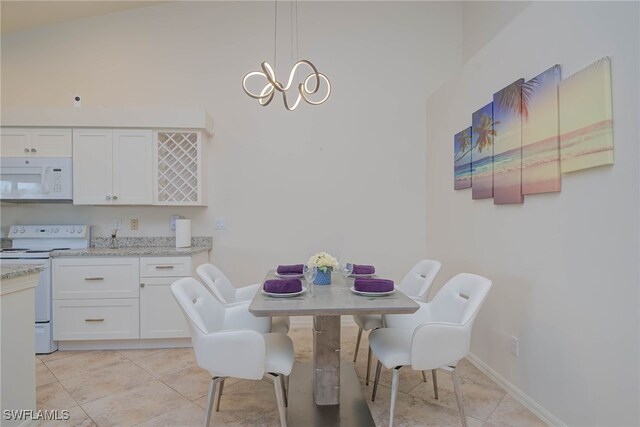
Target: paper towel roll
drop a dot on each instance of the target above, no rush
(183, 233)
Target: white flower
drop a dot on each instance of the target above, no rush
(323, 261)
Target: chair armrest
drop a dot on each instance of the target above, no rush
(237, 316)
(246, 293)
(439, 344)
(238, 354)
(408, 321)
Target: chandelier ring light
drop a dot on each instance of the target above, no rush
(310, 86)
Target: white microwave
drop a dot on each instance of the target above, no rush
(36, 179)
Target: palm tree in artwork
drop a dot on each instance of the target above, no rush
(485, 133)
(465, 143)
(516, 97)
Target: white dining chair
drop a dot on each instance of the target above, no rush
(415, 284)
(436, 336)
(229, 341)
(228, 294)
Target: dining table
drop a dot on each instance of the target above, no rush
(328, 392)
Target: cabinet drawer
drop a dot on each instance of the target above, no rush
(96, 319)
(165, 266)
(79, 278)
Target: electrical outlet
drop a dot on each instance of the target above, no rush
(117, 224)
(515, 346)
(220, 224)
(134, 224)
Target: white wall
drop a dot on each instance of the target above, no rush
(362, 152)
(482, 20)
(565, 265)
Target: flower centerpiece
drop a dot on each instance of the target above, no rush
(325, 263)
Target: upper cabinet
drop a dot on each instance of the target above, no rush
(35, 142)
(178, 172)
(112, 167)
(121, 156)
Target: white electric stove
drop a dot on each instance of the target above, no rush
(33, 244)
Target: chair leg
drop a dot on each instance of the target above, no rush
(212, 393)
(375, 381)
(435, 382)
(458, 390)
(368, 365)
(355, 354)
(394, 393)
(220, 387)
(424, 377)
(284, 390)
(277, 384)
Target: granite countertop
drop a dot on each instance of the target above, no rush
(12, 271)
(131, 251)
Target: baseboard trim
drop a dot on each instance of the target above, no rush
(540, 412)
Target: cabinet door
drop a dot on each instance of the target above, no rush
(51, 143)
(160, 315)
(14, 142)
(92, 166)
(132, 167)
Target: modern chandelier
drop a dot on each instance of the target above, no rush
(310, 85)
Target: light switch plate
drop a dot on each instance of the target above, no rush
(220, 224)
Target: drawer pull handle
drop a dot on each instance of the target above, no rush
(94, 278)
(94, 320)
(142, 285)
(164, 266)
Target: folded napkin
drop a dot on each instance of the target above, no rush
(290, 269)
(373, 285)
(282, 286)
(363, 269)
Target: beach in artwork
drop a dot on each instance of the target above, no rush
(586, 118)
(507, 152)
(482, 153)
(540, 134)
(462, 159)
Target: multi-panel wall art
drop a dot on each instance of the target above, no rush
(540, 134)
(482, 152)
(462, 159)
(586, 118)
(535, 130)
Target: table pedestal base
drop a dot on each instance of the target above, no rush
(326, 360)
(303, 411)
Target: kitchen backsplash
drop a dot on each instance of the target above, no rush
(147, 242)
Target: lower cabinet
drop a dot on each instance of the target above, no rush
(96, 319)
(87, 307)
(160, 315)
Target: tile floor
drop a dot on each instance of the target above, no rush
(165, 387)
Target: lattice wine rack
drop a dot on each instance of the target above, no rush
(178, 171)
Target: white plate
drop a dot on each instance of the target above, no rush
(290, 276)
(371, 294)
(292, 294)
(355, 276)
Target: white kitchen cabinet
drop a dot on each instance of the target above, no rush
(35, 142)
(80, 278)
(179, 175)
(111, 298)
(160, 315)
(96, 319)
(112, 167)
